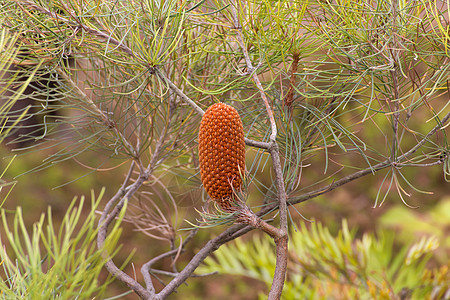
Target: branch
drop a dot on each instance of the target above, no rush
(105, 219)
(256, 144)
(174, 274)
(146, 268)
(124, 193)
(282, 241)
(251, 69)
(180, 94)
(361, 173)
(211, 246)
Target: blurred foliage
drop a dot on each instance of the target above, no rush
(341, 266)
(8, 52)
(52, 263)
(413, 224)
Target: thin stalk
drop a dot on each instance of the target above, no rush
(395, 85)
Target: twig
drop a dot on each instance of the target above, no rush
(425, 139)
(395, 84)
(177, 91)
(289, 99)
(230, 234)
(256, 144)
(172, 274)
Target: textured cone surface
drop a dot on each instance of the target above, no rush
(221, 152)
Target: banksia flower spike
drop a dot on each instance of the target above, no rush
(222, 154)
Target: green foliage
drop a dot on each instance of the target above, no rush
(341, 266)
(52, 263)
